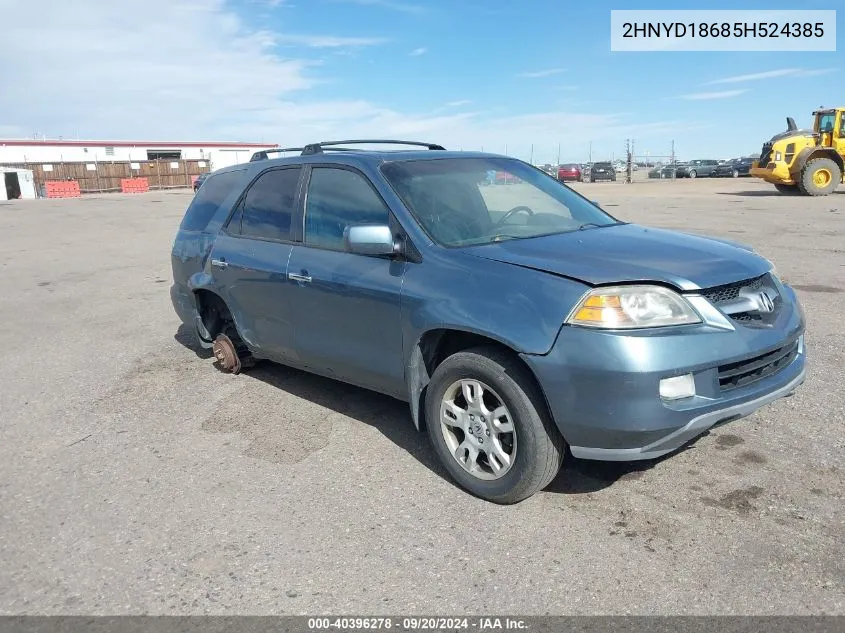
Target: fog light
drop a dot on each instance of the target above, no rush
(677, 387)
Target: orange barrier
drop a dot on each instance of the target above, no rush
(134, 185)
(62, 189)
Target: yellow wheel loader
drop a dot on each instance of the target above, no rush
(808, 162)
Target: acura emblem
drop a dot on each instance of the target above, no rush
(765, 302)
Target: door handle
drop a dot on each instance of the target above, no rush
(300, 278)
(219, 263)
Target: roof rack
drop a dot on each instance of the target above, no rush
(262, 155)
(317, 148)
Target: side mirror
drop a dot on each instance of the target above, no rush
(369, 239)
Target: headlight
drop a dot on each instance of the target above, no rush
(626, 307)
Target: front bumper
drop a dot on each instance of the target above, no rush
(774, 173)
(603, 387)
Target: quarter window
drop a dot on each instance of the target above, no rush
(214, 191)
(269, 205)
(338, 198)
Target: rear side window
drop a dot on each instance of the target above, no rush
(214, 191)
(269, 205)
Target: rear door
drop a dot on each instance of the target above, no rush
(250, 258)
(346, 306)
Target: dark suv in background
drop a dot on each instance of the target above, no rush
(733, 168)
(602, 171)
(516, 319)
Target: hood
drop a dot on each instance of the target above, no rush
(790, 134)
(627, 253)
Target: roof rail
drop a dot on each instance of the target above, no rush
(317, 148)
(262, 155)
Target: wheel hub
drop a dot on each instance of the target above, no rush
(226, 354)
(478, 429)
(822, 178)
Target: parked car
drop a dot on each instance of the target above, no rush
(622, 167)
(199, 180)
(602, 171)
(734, 168)
(665, 171)
(569, 172)
(394, 271)
(696, 168)
(551, 170)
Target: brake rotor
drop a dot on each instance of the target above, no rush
(226, 354)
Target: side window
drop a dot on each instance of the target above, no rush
(208, 199)
(336, 199)
(269, 205)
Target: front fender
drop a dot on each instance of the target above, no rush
(520, 308)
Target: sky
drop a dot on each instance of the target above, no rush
(534, 80)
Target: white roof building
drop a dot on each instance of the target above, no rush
(219, 154)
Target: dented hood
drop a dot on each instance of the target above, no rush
(625, 253)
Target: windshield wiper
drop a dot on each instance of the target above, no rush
(588, 225)
(500, 236)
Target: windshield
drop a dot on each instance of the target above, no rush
(469, 201)
(825, 122)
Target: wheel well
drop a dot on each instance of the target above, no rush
(825, 153)
(213, 311)
(434, 347)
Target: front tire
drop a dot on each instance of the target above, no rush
(820, 177)
(693, 173)
(735, 173)
(489, 426)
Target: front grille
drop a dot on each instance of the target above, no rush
(745, 372)
(729, 292)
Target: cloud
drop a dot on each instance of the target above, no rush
(328, 41)
(418, 51)
(209, 77)
(458, 104)
(543, 73)
(818, 72)
(393, 5)
(769, 74)
(703, 96)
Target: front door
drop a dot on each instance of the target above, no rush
(346, 306)
(249, 263)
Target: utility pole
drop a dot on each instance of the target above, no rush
(629, 151)
(531, 160)
(558, 154)
(672, 160)
(590, 160)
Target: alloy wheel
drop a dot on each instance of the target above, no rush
(478, 429)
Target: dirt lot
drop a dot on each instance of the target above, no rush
(135, 478)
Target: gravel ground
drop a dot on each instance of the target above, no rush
(135, 478)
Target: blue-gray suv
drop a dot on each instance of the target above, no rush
(515, 316)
